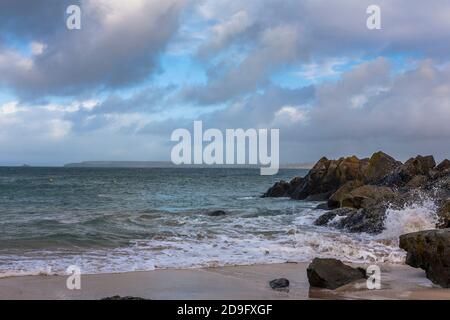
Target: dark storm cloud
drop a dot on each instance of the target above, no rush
(117, 46)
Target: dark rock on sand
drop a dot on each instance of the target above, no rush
(429, 250)
(330, 215)
(122, 298)
(332, 273)
(217, 213)
(281, 283)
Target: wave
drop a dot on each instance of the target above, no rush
(286, 235)
(416, 216)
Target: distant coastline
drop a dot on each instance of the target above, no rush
(168, 164)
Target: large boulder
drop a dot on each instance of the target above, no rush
(429, 250)
(380, 165)
(327, 176)
(332, 273)
(367, 196)
(335, 201)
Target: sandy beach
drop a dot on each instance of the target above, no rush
(234, 282)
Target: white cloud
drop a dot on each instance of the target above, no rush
(223, 33)
(37, 48)
(290, 114)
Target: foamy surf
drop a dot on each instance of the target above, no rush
(238, 240)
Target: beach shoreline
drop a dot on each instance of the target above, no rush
(220, 283)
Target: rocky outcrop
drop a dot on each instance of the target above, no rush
(327, 176)
(429, 250)
(369, 186)
(332, 273)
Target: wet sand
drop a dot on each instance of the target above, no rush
(235, 282)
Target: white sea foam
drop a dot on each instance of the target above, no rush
(237, 240)
(416, 216)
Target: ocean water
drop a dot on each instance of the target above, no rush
(119, 220)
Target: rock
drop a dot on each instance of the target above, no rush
(336, 198)
(327, 176)
(322, 206)
(429, 250)
(281, 283)
(380, 164)
(283, 188)
(330, 215)
(443, 166)
(279, 189)
(418, 181)
(318, 197)
(294, 184)
(122, 298)
(369, 220)
(332, 273)
(217, 213)
(413, 167)
(444, 215)
(366, 196)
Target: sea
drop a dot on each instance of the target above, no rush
(111, 220)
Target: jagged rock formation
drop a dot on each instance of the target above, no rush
(368, 186)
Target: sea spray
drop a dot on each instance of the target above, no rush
(414, 216)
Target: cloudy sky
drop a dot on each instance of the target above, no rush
(138, 69)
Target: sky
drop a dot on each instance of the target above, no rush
(139, 69)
